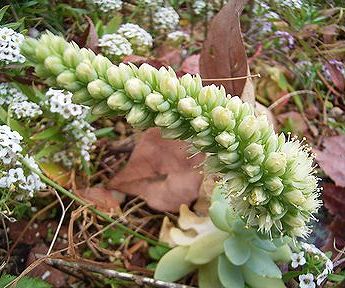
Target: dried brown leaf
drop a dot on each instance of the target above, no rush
(223, 54)
(332, 159)
(160, 173)
(334, 199)
(191, 65)
(336, 76)
(89, 38)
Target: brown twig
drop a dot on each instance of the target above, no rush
(140, 280)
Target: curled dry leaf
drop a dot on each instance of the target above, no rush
(228, 59)
(336, 76)
(332, 159)
(160, 172)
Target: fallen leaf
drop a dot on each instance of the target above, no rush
(159, 172)
(295, 120)
(332, 159)
(89, 38)
(104, 199)
(337, 76)
(223, 54)
(334, 199)
(138, 60)
(262, 110)
(169, 56)
(248, 93)
(191, 65)
(57, 173)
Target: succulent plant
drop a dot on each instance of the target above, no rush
(268, 179)
(224, 251)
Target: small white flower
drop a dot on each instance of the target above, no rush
(306, 281)
(297, 259)
(108, 5)
(166, 18)
(115, 45)
(10, 42)
(322, 277)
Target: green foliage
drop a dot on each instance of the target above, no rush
(25, 282)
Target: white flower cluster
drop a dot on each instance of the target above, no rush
(64, 157)
(140, 40)
(178, 37)
(13, 176)
(10, 42)
(82, 133)
(166, 19)
(199, 6)
(298, 259)
(108, 5)
(25, 109)
(115, 45)
(286, 40)
(9, 94)
(60, 101)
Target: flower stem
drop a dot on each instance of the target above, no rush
(91, 208)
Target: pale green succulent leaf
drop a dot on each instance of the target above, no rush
(262, 264)
(208, 275)
(218, 213)
(282, 254)
(256, 281)
(237, 250)
(206, 248)
(229, 275)
(173, 265)
(266, 245)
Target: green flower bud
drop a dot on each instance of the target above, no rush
(54, 65)
(228, 157)
(171, 88)
(274, 185)
(188, 107)
(254, 153)
(102, 108)
(137, 114)
(85, 72)
(225, 139)
(99, 89)
(247, 127)
(71, 57)
(208, 96)
(29, 48)
(137, 89)
(87, 54)
(276, 163)
(265, 222)
(57, 44)
(294, 220)
(202, 141)
(42, 52)
(234, 104)
(118, 75)
(237, 183)
(119, 101)
(296, 197)
(223, 118)
(101, 64)
(68, 81)
(251, 170)
(272, 143)
(192, 84)
(166, 118)
(165, 106)
(147, 73)
(276, 208)
(153, 100)
(200, 123)
(245, 111)
(258, 197)
(81, 96)
(41, 71)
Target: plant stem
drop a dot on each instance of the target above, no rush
(91, 208)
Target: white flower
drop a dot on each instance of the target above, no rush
(178, 37)
(199, 6)
(338, 65)
(25, 109)
(115, 45)
(9, 94)
(306, 281)
(166, 18)
(108, 5)
(140, 40)
(10, 42)
(297, 259)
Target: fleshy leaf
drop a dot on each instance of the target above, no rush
(229, 275)
(262, 264)
(208, 275)
(172, 265)
(266, 245)
(237, 250)
(256, 281)
(206, 248)
(282, 254)
(217, 212)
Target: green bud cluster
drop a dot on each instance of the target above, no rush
(269, 179)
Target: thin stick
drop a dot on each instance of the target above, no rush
(289, 95)
(91, 208)
(231, 78)
(140, 280)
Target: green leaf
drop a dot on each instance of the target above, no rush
(237, 250)
(266, 245)
(207, 248)
(3, 11)
(103, 131)
(157, 252)
(46, 134)
(47, 151)
(208, 275)
(15, 125)
(229, 275)
(173, 265)
(262, 264)
(282, 254)
(256, 281)
(113, 25)
(24, 282)
(217, 212)
(15, 25)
